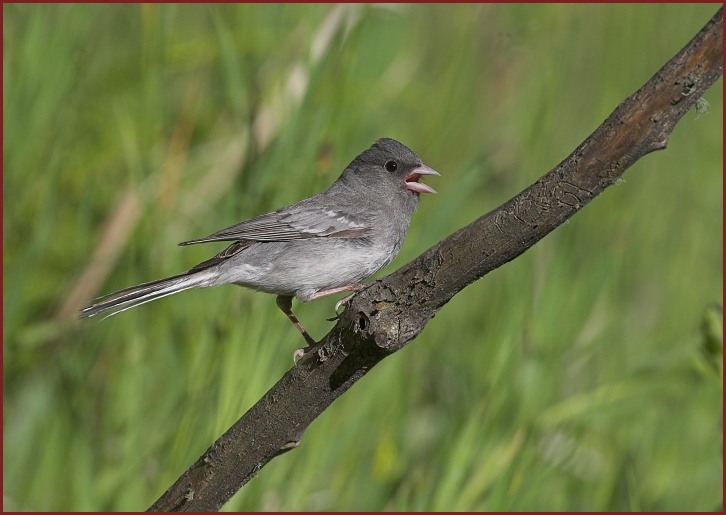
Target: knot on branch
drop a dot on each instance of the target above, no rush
(383, 326)
(374, 327)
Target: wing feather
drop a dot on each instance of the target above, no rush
(293, 223)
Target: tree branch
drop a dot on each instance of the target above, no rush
(392, 311)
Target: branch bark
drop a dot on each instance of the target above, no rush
(391, 312)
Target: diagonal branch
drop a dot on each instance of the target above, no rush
(391, 312)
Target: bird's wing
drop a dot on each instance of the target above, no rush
(230, 251)
(293, 223)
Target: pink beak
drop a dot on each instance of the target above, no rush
(411, 182)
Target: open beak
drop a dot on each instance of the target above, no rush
(411, 181)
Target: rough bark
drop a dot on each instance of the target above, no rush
(392, 311)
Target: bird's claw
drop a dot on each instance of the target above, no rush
(299, 353)
(341, 302)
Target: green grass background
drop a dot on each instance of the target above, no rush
(573, 378)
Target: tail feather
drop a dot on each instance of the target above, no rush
(128, 298)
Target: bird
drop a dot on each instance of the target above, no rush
(324, 244)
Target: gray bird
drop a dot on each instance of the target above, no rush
(318, 246)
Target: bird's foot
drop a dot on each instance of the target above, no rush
(299, 353)
(344, 301)
(341, 302)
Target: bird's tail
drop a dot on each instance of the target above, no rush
(122, 300)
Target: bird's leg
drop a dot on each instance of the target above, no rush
(355, 287)
(284, 302)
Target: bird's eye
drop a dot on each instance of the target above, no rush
(391, 166)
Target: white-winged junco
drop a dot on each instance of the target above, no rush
(318, 246)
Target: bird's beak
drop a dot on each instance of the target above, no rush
(411, 181)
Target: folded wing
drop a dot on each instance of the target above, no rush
(292, 224)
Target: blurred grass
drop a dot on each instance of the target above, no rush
(574, 378)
